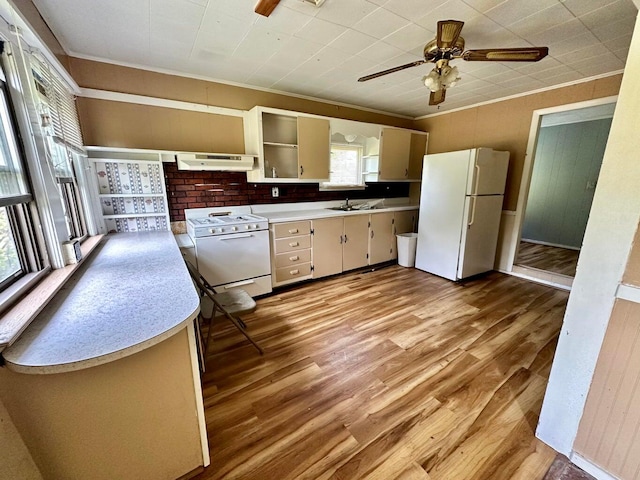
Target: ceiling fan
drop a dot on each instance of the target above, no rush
(449, 45)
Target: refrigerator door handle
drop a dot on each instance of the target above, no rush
(473, 212)
(475, 187)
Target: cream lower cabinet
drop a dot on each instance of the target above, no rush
(403, 222)
(380, 237)
(383, 228)
(355, 250)
(290, 252)
(327, 246)
(339, 244)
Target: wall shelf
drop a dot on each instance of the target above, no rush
(136, 215)
(131, 190)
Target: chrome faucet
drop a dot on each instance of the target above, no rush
(346, 202)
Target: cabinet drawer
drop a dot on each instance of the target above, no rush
(293, 258)
(292, 244)
(289, 229)
(285, 274)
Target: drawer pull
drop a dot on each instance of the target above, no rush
(294, 244)
(294, 272)
(295, 258)
(293, 230)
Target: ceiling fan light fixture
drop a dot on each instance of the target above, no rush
(432, 80)
(449, 76)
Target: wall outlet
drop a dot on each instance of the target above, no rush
(275, 192)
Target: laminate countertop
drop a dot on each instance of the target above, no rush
(132, 294)
(278, 216)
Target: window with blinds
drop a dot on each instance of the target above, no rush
(61, 105)
(19, 251)
(59, 120)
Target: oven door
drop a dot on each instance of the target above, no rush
(234, 257)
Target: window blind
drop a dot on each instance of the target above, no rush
(61, 103)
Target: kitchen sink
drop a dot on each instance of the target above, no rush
(349, 208)
(343, 208)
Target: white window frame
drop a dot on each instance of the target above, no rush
(359, 185)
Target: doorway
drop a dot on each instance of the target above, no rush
(560, 183)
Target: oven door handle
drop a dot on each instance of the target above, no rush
(233, 237)
(239, 284)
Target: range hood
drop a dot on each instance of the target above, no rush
(215, 162)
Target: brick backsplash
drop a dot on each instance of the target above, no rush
(188, 189)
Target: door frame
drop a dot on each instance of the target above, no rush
(523, 195)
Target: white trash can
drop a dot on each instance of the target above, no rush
(407, 243)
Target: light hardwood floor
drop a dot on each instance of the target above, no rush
(548, 258)
(391, 374)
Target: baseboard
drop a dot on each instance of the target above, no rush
(590, 467)
(549, 244)
(191, 474)
(556, 280)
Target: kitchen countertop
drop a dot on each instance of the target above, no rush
(132, 294)
(277, 216)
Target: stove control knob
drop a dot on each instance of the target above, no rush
(254, 226)
(233, 229)
(212, 230)
(247, 227)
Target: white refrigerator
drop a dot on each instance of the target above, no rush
(460, 208)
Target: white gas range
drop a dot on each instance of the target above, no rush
(232, 248)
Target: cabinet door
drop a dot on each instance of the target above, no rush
(314, 148)
(395, 145)
(327, 246)
(356, 242)
(416, 154)
(380, 237)
(403, 222)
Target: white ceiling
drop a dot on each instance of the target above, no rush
(320, 52)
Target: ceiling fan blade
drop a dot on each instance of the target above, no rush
(265, 7)
(530, 54)
(448, 33)
(436, 98)
(391, 70)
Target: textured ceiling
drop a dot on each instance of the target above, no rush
(320, 52)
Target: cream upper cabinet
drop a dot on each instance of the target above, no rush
(416, 154)
(290, 147)
(327, 246)
(380, 237)
(395, 146)
(314, 148)
(294, 147)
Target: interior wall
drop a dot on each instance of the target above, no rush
(129, 125)
(186, 189)
(632, 273)
(505, 125)
(115, 78)
(607, 243)
(14, 457)
(609, 433)
(565, 173)
(134, 417)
